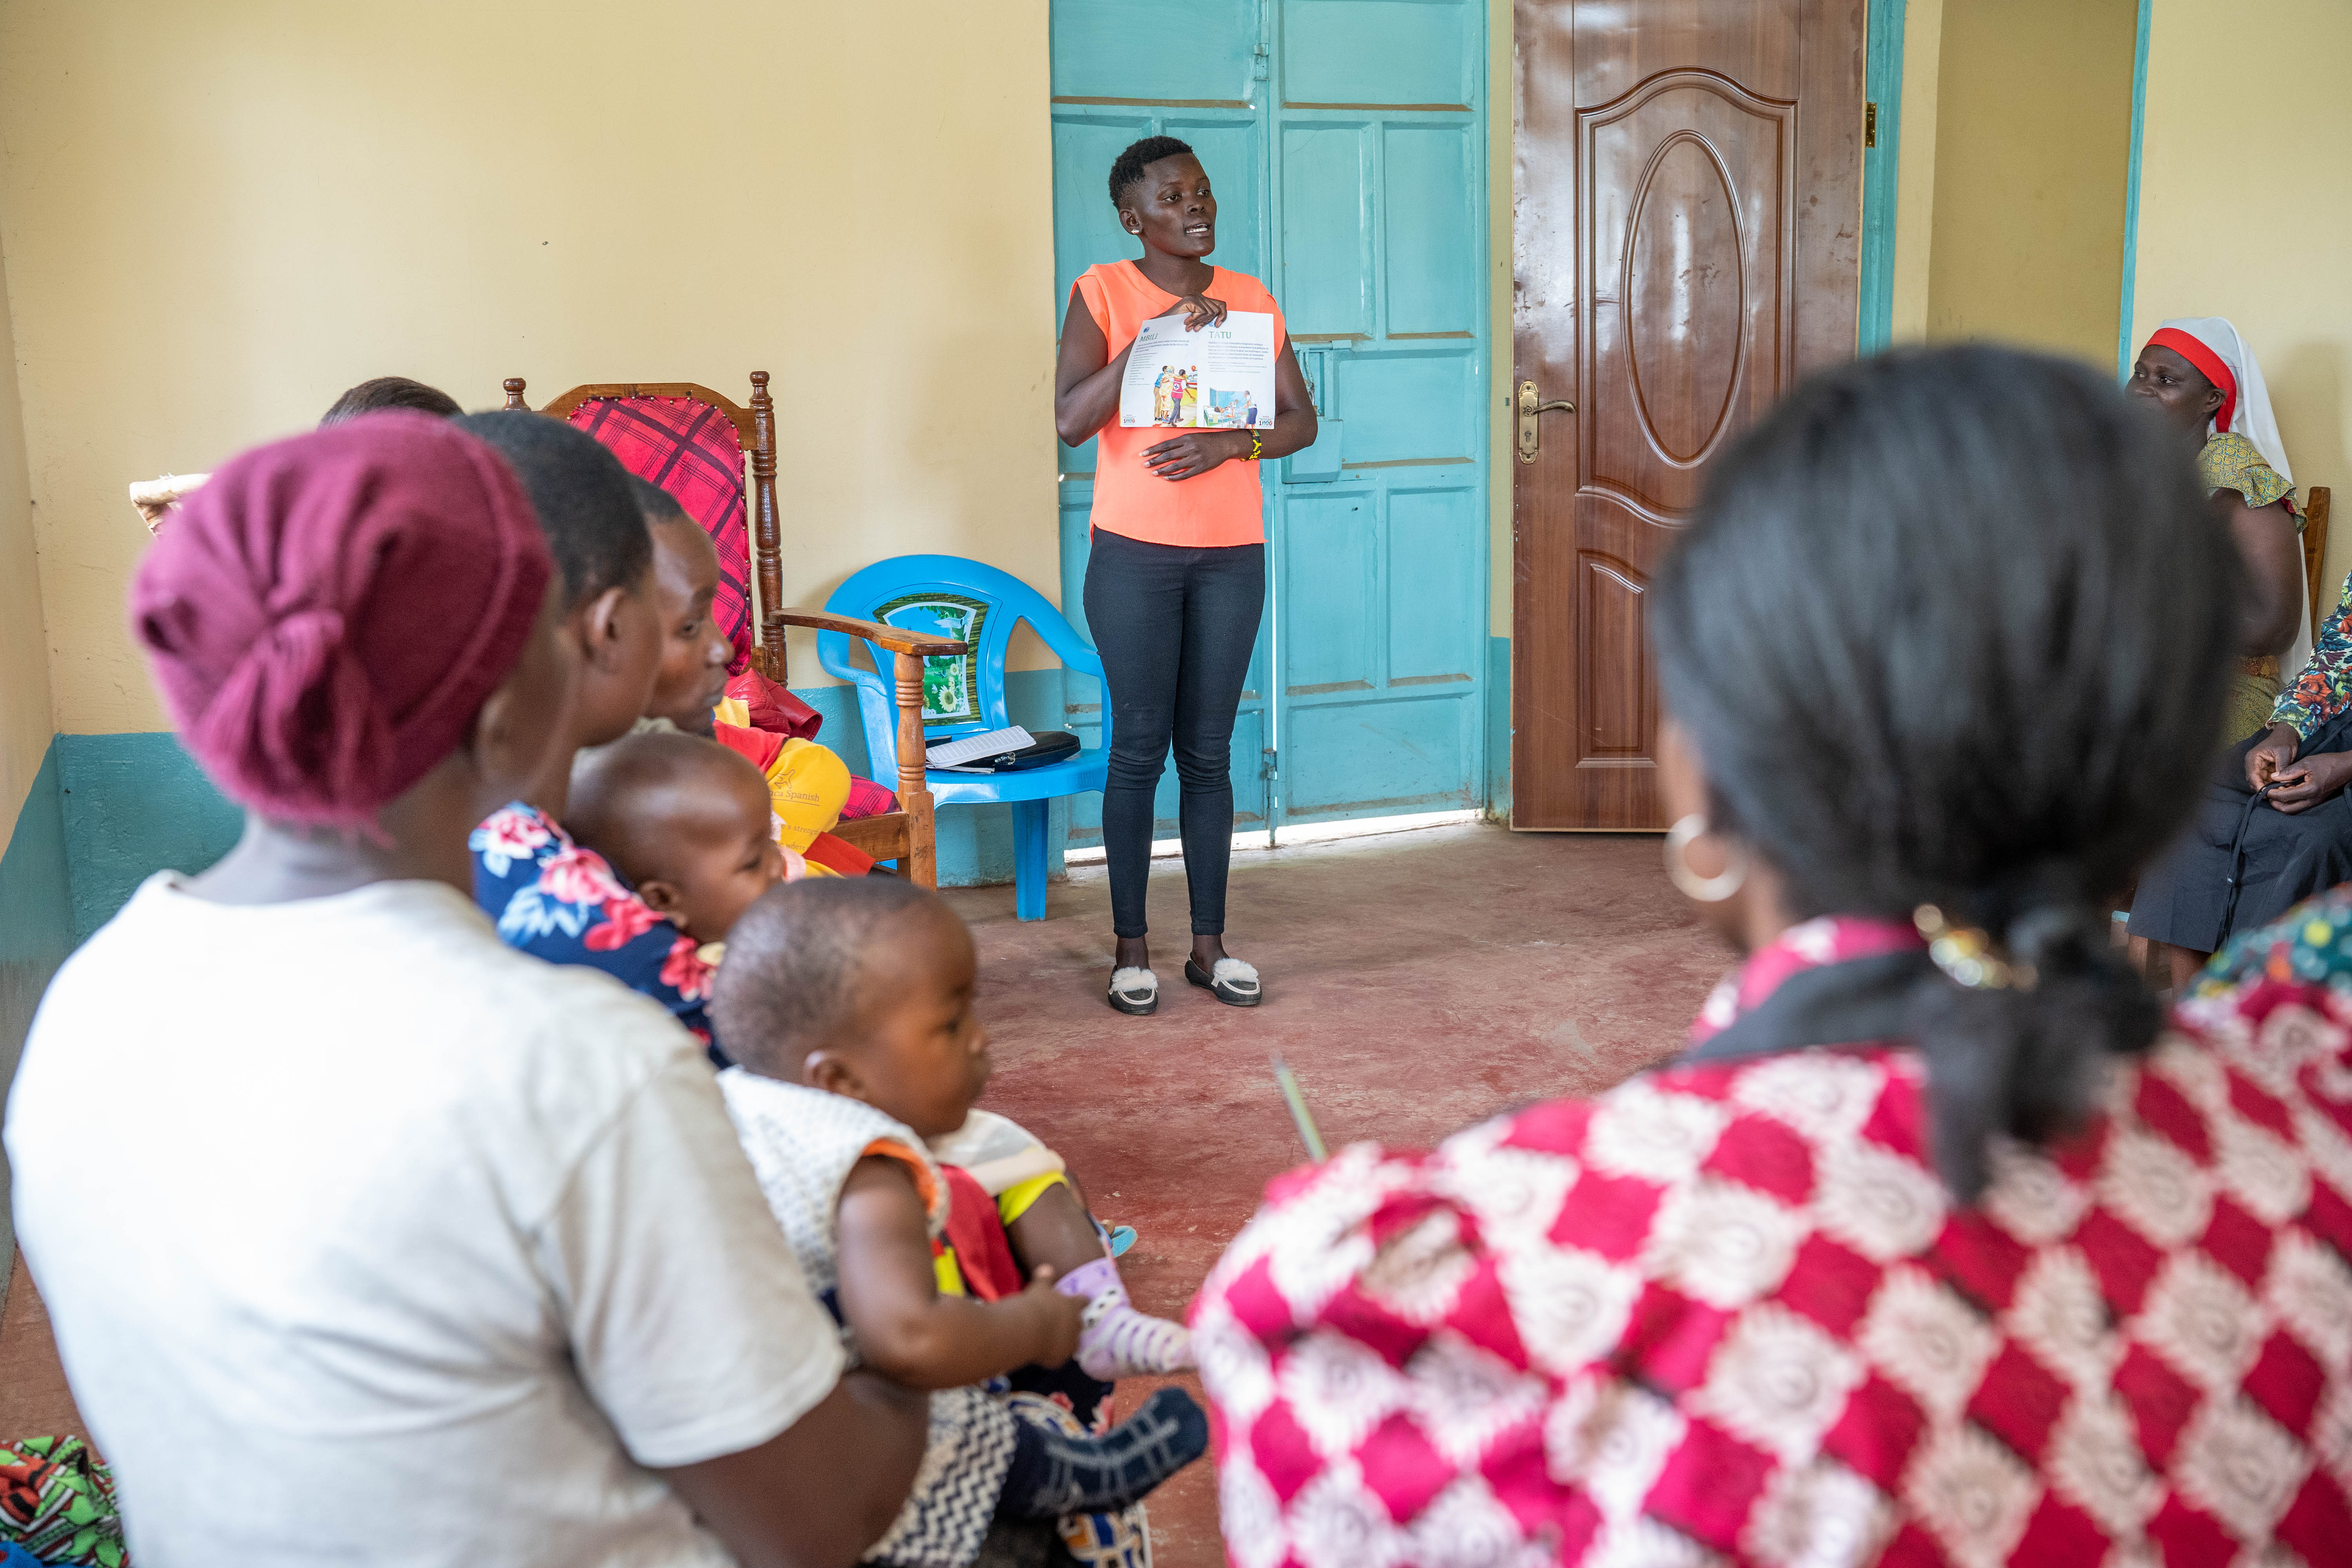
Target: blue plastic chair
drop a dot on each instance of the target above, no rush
(1010, 601)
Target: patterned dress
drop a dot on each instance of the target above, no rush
(2321, 691)
(802, 1143)
(1726, 1313)
(567, 905)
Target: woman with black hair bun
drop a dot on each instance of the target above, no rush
(1935, 1246)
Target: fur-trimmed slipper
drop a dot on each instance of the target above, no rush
(1135, 991)
(1235, 982)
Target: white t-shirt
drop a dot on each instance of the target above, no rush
(368, 1239)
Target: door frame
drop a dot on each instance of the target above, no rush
(1882, 84)
(2124, 355)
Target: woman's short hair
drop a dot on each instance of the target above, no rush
(390, 392)
(1953, 627)
(657, 503)
(581, 493)
(1127, 169)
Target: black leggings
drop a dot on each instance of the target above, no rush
(1175, 627)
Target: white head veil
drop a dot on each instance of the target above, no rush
(2252, 416)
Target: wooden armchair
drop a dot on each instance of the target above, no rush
(708, 450)
(2314, 557)
(907, 834)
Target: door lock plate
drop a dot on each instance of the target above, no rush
(1531, 404)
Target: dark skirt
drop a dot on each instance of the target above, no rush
(2184, 898)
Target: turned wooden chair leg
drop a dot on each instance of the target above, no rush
(914, 795)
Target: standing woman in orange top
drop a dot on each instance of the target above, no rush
(1177, 578)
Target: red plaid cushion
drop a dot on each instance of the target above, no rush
(689, 449)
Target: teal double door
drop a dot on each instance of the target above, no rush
(1347, 142)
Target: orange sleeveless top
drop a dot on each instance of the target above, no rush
(1221, 507)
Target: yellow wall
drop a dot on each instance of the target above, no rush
(2247, 213)
(24, 714)
(216, 217)
(2032, 146)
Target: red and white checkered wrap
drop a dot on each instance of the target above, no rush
(1726, 1313)
(690, 450)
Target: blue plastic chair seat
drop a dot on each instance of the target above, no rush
(1010, 602)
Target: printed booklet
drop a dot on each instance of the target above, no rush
(1219, 378)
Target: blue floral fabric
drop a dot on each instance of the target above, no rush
(567, 905)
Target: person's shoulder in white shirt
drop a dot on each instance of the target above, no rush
(367, 1236)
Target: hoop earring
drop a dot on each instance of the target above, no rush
(1703, 889)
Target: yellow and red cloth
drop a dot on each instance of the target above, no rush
(809, 788)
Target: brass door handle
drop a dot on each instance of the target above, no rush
(1531, 403)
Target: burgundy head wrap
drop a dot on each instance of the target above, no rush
(328, 614)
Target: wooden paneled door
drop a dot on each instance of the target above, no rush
(1687, 239)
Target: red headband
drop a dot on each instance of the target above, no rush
(2212, 366)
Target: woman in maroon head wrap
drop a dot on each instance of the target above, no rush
(367, 1238)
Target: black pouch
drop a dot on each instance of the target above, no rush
(1043, 747)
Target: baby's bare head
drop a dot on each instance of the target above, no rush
(686, 820)
(861, 986)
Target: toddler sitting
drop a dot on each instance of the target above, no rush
(847, 1004)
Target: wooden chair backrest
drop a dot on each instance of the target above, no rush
(755, 433)
(2315, 555)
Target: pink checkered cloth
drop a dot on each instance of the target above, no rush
(689, 449)
(1725, 1313)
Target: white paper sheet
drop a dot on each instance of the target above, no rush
(1219, 378)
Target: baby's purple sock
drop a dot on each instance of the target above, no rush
(1118, 1341)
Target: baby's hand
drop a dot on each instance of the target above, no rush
(1058, 1317)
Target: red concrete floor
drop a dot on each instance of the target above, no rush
(1415, 982)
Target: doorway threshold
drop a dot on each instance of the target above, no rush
(1302, 832)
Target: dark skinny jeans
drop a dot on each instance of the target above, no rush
(1175, 627)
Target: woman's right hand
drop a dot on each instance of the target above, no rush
(1200, 311)
(2305, 784)
(2270, 755)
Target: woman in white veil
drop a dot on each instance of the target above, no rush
(2202, 376)
(2240, 864)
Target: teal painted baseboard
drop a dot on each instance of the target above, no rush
(36, 933)
(134, 805)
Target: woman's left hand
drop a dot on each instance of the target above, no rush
(1196, 453)
(2305, 784)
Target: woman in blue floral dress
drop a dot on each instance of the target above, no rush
(548, 896)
